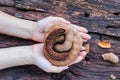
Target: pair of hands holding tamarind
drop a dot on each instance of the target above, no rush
(38, 31)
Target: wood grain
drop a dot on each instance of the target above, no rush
(100, 17)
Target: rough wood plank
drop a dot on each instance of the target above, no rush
(100, 17)
(97, 15)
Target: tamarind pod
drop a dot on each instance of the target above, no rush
(62, 44)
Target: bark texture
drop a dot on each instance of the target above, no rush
(100, 17)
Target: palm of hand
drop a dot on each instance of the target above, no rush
(42, 62)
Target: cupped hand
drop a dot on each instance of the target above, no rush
(45, 65)
(39, 30)
(38, 35)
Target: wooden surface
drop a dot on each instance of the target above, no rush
(100, 17)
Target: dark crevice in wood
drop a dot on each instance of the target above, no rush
(57, 76)
(116, 13)
(111, 26)
(25, 9)
(32, 9)
(87, 58)
(100, 37)
(86, 14)
(64, 77)
(117, 38)
(7, 5)
(54, 75)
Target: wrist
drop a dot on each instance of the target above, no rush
(27, 56)
(13, 26)
(26, 28)
(16, 56)
(37, 50)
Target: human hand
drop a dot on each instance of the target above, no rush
(39, 30)
(45, 65)
(38, 35)
(33, 54)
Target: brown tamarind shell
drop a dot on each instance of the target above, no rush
(61, 58)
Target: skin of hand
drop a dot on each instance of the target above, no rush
(45, 65)
(24, 55)
(38, 31)
(38, 35)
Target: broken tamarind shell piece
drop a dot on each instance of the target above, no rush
(62, 44)
(104, 44)
(87, 48)
(113, 77)
(110, 57)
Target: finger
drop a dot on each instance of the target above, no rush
(56, 69)
(81, 29)
(85, 36)
(85, 40)
(83, 48)
(83, 54)
(79, 58)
